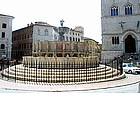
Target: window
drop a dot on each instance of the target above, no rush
(55, 37)
(128, 10)
(3, 35)
(46, 32)
(3, 25)
(38, 31)
(67, 38)
(139, 9)
(23, 37)
(31, 46)
(31, 36)
(114, 11)
(115, 40)
(2, 46)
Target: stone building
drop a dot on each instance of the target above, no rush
(5, 36)
(24, 39)
(120, 21)
(93, 47)
(76, 34)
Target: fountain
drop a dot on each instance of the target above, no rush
(61, 30)
(61, 62)
(60, 52)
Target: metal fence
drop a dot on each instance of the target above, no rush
(60, 73)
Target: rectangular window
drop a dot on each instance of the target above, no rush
(3, 25)
(2, 46)
(31, 46)
(23, 37)
(31, 36)
(3, 35)
(115, 40)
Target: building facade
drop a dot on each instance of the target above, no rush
(76, 34)
(26, 39)
(120, 22)
(93, 47)
(5, 36)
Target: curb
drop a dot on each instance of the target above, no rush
(126, 81)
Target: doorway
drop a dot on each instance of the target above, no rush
(130, 44)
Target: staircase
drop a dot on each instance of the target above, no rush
(96, 74)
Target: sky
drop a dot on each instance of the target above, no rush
(86, 13)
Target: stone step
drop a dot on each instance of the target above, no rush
(55, 75)
(33, 72)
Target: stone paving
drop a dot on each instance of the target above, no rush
(129, 80)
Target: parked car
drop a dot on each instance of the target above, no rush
(130, 68)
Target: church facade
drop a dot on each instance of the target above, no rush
(120, 22)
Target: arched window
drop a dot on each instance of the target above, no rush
(114, 11)
(2, 46)
(128, 10)
(73, 39)
(46, 32)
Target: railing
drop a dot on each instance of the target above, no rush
(60, 73)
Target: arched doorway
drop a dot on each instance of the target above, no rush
(130, 44)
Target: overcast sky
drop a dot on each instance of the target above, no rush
(74, 12)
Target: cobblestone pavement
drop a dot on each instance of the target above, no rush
(128, 84)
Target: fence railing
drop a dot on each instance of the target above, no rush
(60, 73)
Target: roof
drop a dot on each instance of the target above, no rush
(34, 24)
(6, 15)
(42, 24)
(87, 38)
